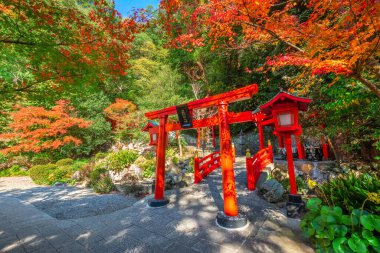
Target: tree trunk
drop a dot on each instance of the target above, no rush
(368, 84)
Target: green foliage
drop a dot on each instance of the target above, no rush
(65, 161)
(85, 170)
(149, 168)
(3, 159)
(333, 231)
(90, 105)
(301, 184)
(40, 173)
(100, 156)
(120, 160)
(14, 171)
(62, 174)
(101, 181)
(351, 116)
(155, 81)
(40, 159)
(350, 191)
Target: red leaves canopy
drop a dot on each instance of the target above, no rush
(35, 129)
(342, 37)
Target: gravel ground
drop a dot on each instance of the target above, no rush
(63, 202)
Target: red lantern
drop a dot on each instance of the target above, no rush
(285, 117)
(284, 108)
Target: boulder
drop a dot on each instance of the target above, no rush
(136, 170)
(117, 176)
(272, 191)
(188, 178)
(306, 168)
(76, 175)
(279, 174)
(262, 178)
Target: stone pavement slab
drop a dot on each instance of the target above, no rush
(187, 224)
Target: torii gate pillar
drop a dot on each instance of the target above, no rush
(159, 198)
(230, 218)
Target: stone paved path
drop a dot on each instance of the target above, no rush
(187, 224)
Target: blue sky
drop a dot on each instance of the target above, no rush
(125, 6)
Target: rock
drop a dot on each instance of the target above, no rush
(172, 168)
(136, 170)
(59, 184)
(182, 184)
(315, 174)
(272, 191)
(306, 168)
(352, 166)
(298, 172)
(188, 178)
(117, 176)
(376, 166)
(76, 175)
(336, 169)
(279, 174)
(262, 178)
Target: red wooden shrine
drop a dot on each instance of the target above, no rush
(282, 111)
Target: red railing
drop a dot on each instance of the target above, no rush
(256, 164)
(204, 166)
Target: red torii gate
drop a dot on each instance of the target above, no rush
(230, 218)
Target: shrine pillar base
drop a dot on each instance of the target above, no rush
(158, 203)
(230, 218)
(231, 222)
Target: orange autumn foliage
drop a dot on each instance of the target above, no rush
(119, 114)
(324, 36)
(35, 129)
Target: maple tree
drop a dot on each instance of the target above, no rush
(340, 37)
(119, 113)
(51, 43)
(35, 129)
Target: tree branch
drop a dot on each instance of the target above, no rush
(373, 87)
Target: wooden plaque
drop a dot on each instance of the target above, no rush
(184, 116)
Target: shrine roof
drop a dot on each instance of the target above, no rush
(284, 97)
(150, 124)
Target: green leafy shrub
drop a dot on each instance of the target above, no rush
(40, 173)
(14, 171)
(120, 160)
(86, 169)
(64, 162)
(101, 181)
(62, 174)
(100, 156)
(350, 191)
(40, 159)
(301, 184)
(3, 159)
(333, 231)
(149, 168)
